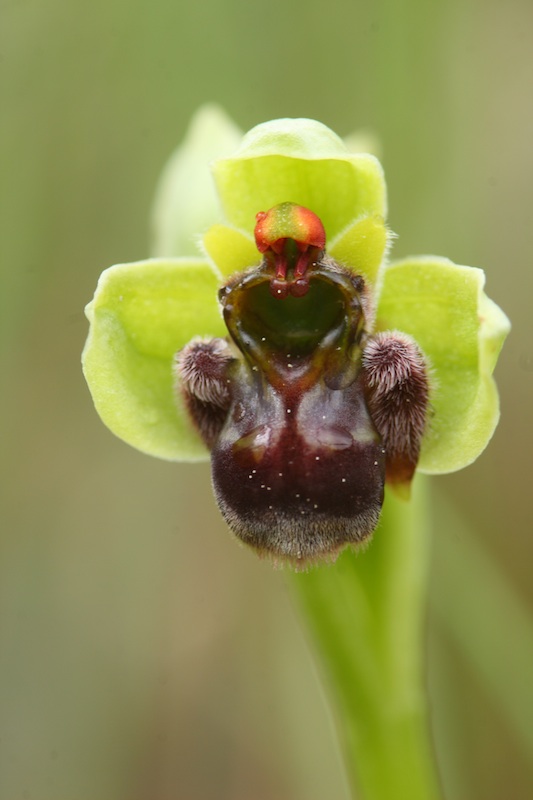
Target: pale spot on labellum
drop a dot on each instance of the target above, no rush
(334, 437)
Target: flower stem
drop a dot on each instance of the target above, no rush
(366, 614)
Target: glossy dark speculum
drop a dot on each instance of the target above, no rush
(298, 467)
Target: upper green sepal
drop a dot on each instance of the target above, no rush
(141, 314)
(299, 161)
(461, 332)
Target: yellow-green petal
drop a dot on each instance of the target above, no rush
(299, 161)
(362, 246)
(443, 306)
(229, 249)
(141, 314)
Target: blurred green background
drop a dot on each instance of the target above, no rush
(143, 655)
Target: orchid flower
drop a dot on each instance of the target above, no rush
(424, 323)
(272, 334)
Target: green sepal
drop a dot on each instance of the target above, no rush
(299, 161)
(141, 315)
(443, 307)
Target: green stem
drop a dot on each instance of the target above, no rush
(367, 614)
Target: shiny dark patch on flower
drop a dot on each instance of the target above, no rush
(308, 412)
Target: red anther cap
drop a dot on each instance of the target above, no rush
(288, 221)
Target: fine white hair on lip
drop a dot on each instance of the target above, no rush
(389, 358)
(200, 366)
(396, 376)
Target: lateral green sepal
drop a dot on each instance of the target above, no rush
(443, 307)
(141, 315)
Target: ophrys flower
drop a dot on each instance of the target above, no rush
(333, 335)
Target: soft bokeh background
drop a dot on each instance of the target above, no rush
(143, 655)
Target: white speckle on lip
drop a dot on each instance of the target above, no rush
(343, 480)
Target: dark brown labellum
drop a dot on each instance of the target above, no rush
(298, 468)
(305, 412)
